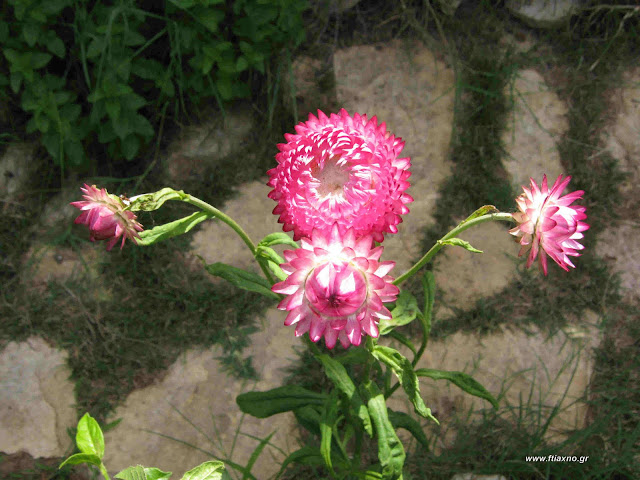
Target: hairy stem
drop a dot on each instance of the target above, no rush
(505, 217)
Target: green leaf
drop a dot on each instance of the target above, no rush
(113, 109)
(209, 17)
(130, 147)
(390, 450)
(95, 47)
(278, 238)
(4, 31)
(30, 33)
(278, 400)
(74, 152)
(405, 312)
(327, 421)
(429, 289)
(458, 242)
(15, 80)
(403, 369)
(241, 64)
(152, 473)
(212, 470)
(270, 257)
(79, 458)
(89, 437)
(171, 229)
(224, 86)
(479, 212)
(39, 60)
(462, 380)
(403, 420)
(132, 473)
(308, 417)
(153, 201)
(242, 279)
(143, 126)
(306, 455)
(338, 375)
(56, 46)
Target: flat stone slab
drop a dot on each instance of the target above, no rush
(536, 122)
(620, 246)
(544, 13)
(36, 399)
(464, 277)
(196, 390)
(529, 370)
(412, 90)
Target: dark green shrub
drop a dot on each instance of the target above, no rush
(89, 70)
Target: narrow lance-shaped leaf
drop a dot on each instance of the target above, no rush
(272, 260)
(327, 421)
(390, 450)
(242, 279)
(171, 229)
(153, 201)
(405, 312)
(403, 369)
(462, 380)
(338, 375)
(306, 455)
(458, 242)
(309, 417)
(403, 420)
(278, 238)
(278, 400)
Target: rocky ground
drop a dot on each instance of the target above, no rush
(411, 88)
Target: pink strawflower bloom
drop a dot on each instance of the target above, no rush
(106, 217)
(336, 287)
(548, 224)
(340, 169)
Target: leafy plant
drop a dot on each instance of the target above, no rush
(86, 71)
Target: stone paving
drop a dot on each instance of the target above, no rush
(36, 399)
(412, 89)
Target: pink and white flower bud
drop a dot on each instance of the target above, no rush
(106, 217)
(548, 224)
(336, 287)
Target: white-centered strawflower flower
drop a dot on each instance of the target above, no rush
(340, 170)
(336, 287)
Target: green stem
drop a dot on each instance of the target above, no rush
(505, 217)
(425, 320)
(202, 205)
(103, 470)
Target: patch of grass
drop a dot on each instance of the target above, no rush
(482, 72)
(155, 309)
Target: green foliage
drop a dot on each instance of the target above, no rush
(86, 71)
(90, 441)
(171, 229)
(242, 279)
